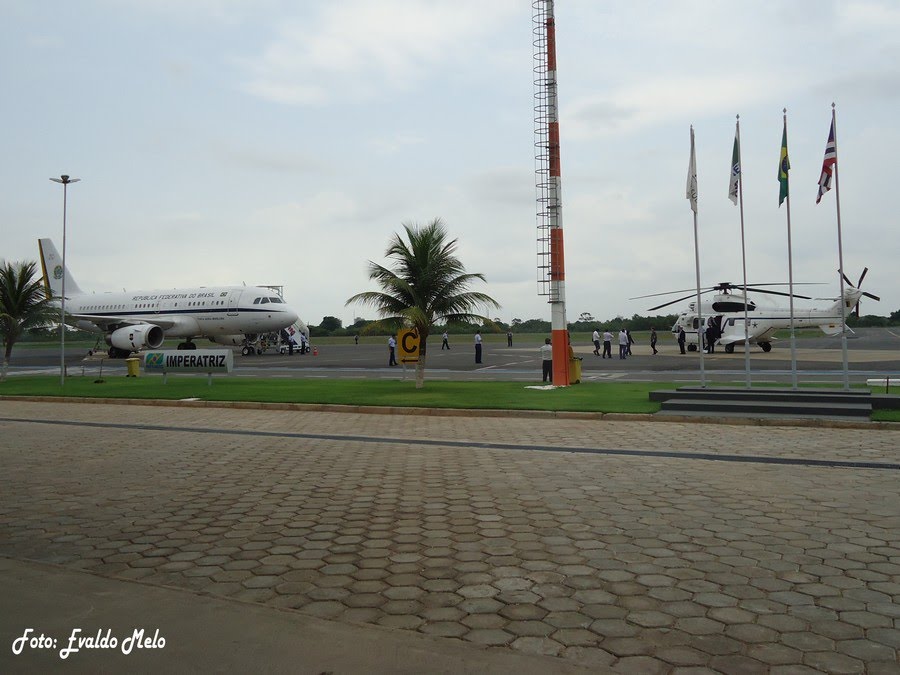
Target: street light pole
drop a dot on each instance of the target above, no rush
(65, 180)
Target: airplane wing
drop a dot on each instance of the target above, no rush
(105, 321)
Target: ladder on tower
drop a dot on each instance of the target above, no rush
(546, 189)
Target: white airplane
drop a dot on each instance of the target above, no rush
(132, 321)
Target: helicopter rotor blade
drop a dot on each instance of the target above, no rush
(787, 295)
(846, 280)
(656, 295)
(869, 295)
(687, 297)
(862, 276)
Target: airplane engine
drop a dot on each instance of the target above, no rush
(135, 338)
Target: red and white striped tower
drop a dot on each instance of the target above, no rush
(551, 258)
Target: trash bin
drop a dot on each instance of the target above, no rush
(575, 370)
(134, 366)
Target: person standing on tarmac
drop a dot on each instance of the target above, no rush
(478, 346)
(446, 341)
(392, 348)
(653, 340)
(623, 344)
(681, 338)
(607, 344)
(547, 360)
(595, 338)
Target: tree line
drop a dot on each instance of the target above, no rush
(332, 326)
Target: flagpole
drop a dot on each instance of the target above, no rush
(740, 178)
(837, 201)
(790, 269)
(692, 183)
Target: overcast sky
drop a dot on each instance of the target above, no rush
(284, 142)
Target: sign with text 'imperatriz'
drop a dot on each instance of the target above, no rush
(189, 360)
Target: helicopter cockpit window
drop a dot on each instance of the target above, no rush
(730, 306)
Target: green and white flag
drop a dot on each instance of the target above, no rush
(735, 168)
(691, 190)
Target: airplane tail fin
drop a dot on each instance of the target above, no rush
(52, 268)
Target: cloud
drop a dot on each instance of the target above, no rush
(272, 160)
(394, 144)
(356, 49)
(656, 101)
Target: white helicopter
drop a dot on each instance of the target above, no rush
(725, 313)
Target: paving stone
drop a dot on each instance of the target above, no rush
(832, 662)
(480, 621)
(646, 665)
(489, 637)
(537, 645)
(405, 621)
(682, 655)
(867, 651)
(699, 626)
(650, 618)
(444, 629)
(774, 654)
(739, 665)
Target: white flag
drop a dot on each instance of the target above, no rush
(691, 192)
(735, 167)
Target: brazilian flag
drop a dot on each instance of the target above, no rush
(783, 167)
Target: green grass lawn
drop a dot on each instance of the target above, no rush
(589, 397)
(603, 397)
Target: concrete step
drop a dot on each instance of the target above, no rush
(826, 396)
(768, 407)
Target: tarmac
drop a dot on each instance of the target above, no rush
(326, 542)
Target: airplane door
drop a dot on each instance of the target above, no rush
(233, 298)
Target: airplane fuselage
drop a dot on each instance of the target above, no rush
(185, 312)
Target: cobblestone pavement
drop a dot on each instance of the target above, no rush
(639, 563)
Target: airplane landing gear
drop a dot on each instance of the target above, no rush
(116, 353)
(187, 345)
(766, 346)
(692, 348)
(729, 349)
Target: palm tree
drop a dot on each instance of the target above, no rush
(427, 285)
(23, 305)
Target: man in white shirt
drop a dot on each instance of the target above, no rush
(607, 344)
(623, 344)
(478, 346)
(392, 346)
(547, 360)
(596, 339)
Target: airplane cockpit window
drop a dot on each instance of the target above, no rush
(276, 300)
(264, 301)
(256, 301)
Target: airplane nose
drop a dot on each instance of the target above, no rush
(290, 313)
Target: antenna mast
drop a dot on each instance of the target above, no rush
(550, 258)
